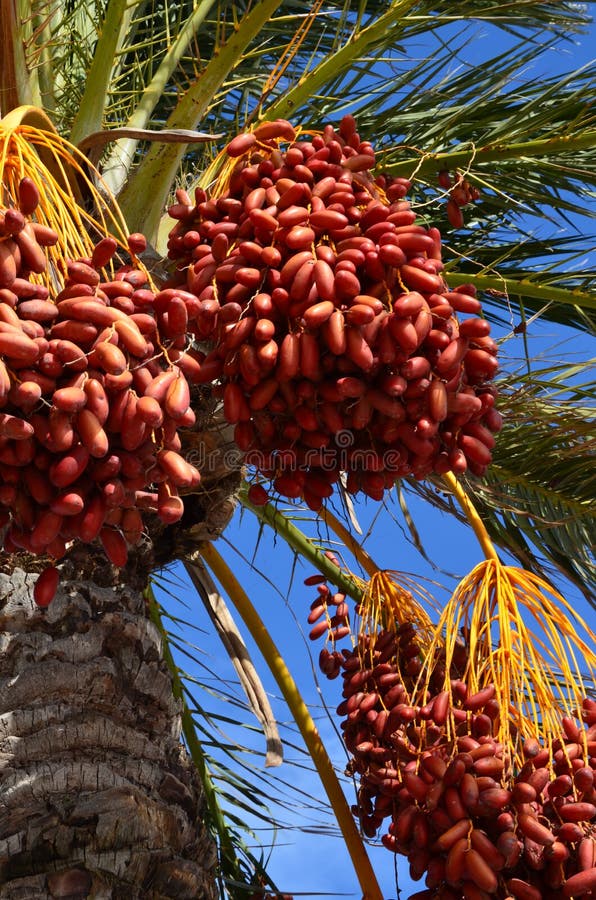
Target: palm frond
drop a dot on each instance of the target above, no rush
(160, 165)
(199, 62)
(544, 476)
(246, 806)
(536, 499)
(231, 638)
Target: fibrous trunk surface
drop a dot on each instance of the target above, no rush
(97, 797)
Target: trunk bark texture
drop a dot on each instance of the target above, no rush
(97, 796)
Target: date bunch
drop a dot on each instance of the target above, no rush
(475, 815)
(95, 381)
(336, 343)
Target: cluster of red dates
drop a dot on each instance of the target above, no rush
(471, 817)
(336, 344)
(94, 388)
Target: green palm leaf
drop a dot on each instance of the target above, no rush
(544, 477)
(246, 805)
(536, 499)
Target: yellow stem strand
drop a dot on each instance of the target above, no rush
(302, 717)
(472, 516)
(347, 538)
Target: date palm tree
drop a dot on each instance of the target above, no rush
(98, 796)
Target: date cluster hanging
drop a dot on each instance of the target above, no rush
(433, 773)
(336, 343)
(94, 387)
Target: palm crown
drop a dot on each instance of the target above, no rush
(152, 92)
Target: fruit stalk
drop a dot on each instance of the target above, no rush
(368, 564)
(472, 516)
(302, 717)
(299, 542)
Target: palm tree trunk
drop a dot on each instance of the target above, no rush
(97, 796)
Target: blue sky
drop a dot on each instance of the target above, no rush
(310, 863)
